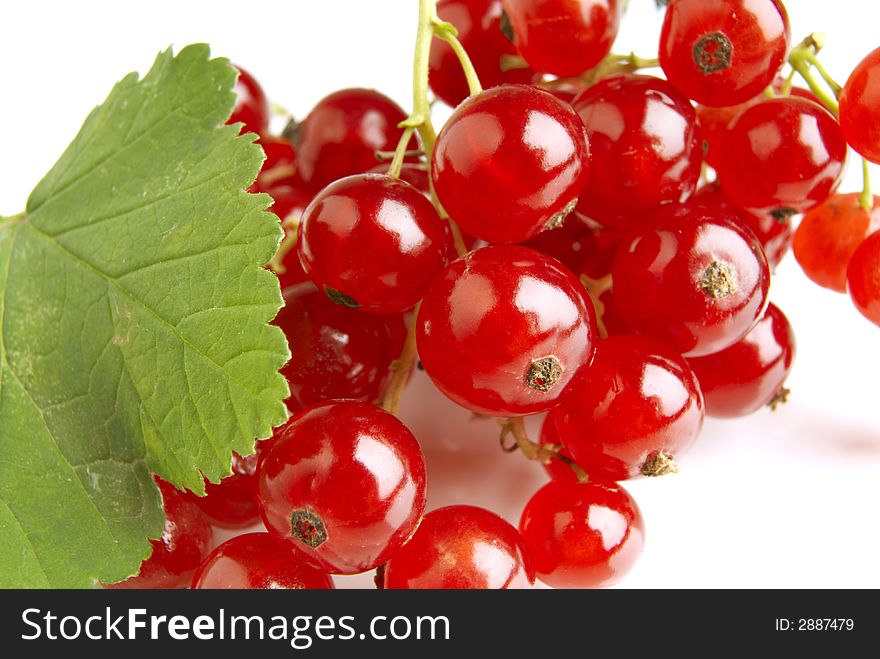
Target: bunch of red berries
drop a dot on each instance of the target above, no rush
(578, 240)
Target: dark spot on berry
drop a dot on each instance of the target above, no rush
(506, 27)
(718, 280)
(559, 217)
(782, 214)
(337, 297)
(308, 527)
(713, 52)
(659, 463)
(544, 373)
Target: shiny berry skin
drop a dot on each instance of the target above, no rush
(863, 278)
(251, 105)
(829, 234)
(479, 30)
(644, 134)
(290, 203)
(259, 561)
(336, 352)
(460, 547)
(746, 376)
(504, 330)
(695, 280)
(640, 399)
(563, 37)
(859, 103)
(372, 242)
(774, 233)
(510, 161)
(783, 155)
(344, 482)
(232, 503)
(185, 542)
(342, 133)
(723, 52)
(416, 174)
(582, 535)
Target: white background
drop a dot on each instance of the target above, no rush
(785, 499)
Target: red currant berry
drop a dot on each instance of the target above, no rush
(783, 155)
(232, 503)
(863, 278)
(644, 133)
(479, 31)
(582, 535)
(695, 280)
(563, 37)
(259, 561)
(723, 52)
(555, 468)
(251, 105)
(184, 544)
(337, 352)
(749, 374)
(639, 409)
(345, 482)
(372, 242)
(504, 330)
(342, 133)
(774, 233)
(510, 162)
(461, 547)
(859, 100)
(829, 234)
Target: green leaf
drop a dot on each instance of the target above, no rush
(134, 332)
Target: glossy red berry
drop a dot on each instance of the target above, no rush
(563, 37)
(509, 162)
(783, 155)
(582, 535)
(232, 503)
(774, 233)
(644, 134)
(342, 133)
(863, 278)
(344, 482)
(694, 280)
(859, 103)
(723, 52)
(335, 352)
(185, 542)
(638, 410)
(829, 234)
(748, 375)
(504, 330)
(372, 242)
(416, 174)
(251, 105)
(479, 30)
(290, 203)
(259, 561)
(461, 547)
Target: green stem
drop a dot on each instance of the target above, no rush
(787, 85)
(400, 153)
(831, 82)
(424, 33)
(801, 60)
(448, 33)
(866, 200)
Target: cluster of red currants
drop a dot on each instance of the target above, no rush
(560, 247)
